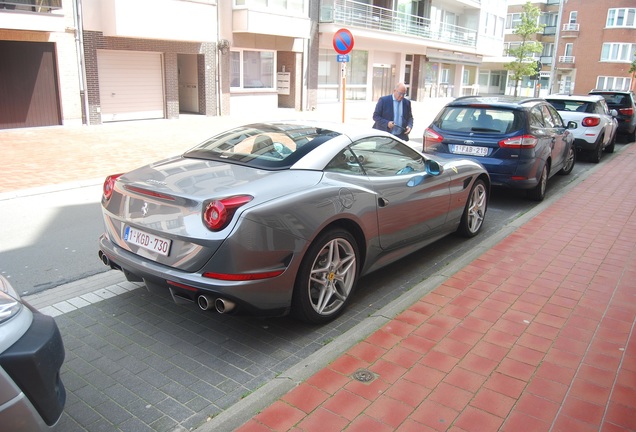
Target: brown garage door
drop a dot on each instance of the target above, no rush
(29, 85)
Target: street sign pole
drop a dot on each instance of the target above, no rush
(343, 44)
(343, 72)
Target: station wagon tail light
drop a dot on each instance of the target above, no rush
(519, 142)
(626, 111)
(431, 138)
(109, 185)
(218, 213)
(591, 121)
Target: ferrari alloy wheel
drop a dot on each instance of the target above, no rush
(475, 210)
(326, 278)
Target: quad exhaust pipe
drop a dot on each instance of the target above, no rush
(206, 302)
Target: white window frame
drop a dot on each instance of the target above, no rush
(294, 7)
(513, 20)
(613, 83)
(573, 17)
(621, 17)
(241, 87)
(618, 52)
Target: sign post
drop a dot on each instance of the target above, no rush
(343, 44)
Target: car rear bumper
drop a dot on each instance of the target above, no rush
(583, 145)
(269, 297)
(30, 372)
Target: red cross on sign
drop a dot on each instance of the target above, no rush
(343, 41)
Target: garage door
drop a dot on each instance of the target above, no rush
(29, 93)
(130, 85)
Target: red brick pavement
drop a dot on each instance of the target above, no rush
(537, 334)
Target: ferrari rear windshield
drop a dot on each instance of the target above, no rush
(269, 146)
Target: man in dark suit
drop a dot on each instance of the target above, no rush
(393, 113)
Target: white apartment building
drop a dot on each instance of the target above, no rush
(114, 60)
(435, 46)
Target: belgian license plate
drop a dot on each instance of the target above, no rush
(147, 241)
(469, 150)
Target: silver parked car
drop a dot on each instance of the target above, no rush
(273, 218)
(32, 395)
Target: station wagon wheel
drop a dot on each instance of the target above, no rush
(326, 278)
(475, 210)
(538, 192)
(569, 161)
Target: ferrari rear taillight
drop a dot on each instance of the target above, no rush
(591, 121)
(109, 185)
(519, 142)
(218, 213)
(626, 111)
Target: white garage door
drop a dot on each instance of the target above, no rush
(130, 85)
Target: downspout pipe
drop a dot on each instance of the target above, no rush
(79, 46)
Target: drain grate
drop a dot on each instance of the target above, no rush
(364, 375)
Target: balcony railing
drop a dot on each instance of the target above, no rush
(45, 6)
(355, 14)
(549, 30)
(571, 27)
(566, 59)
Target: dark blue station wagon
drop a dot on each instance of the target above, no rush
(521, 142)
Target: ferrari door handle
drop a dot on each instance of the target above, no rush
(383, 202)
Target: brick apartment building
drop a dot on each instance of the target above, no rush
(587, 44)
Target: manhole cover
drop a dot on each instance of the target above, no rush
(363, 375)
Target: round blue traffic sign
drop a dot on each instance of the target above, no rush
(343, 41)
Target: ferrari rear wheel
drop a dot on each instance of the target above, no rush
(475, 210)
(326, 278)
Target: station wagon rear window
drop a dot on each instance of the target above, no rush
(479, 119)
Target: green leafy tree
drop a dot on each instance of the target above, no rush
(523, 63)
(632, 70)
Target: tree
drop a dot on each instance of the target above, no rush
(524, 64)
(632, 70)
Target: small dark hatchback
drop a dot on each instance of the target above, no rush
(522, 142)
(624, 102)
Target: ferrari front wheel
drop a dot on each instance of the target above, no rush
(475, 210)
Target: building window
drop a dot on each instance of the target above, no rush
(297, 6)
(573, 16)
(252, 69)
(621, 17)
(513, 21)
(613, 83)
(618, 52)
(329, 78)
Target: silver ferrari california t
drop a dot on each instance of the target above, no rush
(281, 217)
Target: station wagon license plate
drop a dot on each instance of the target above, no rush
(469, 150)
(147, 241)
